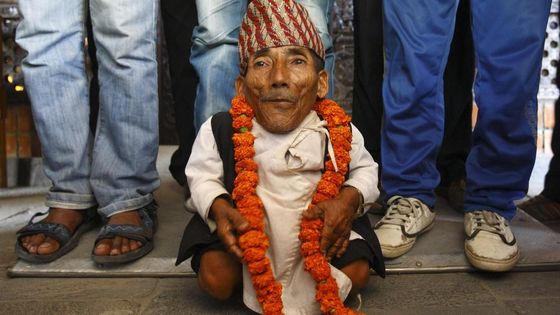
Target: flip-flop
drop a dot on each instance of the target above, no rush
(57, 231)
(143, 233)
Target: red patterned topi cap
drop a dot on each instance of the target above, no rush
(276, 23)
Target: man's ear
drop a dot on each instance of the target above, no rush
(239, 86)
(323, 84)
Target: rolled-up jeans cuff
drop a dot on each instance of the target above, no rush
(70, 200)
(125, 205)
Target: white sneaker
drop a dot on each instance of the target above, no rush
(490, 244)
(406, 218)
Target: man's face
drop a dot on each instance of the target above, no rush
(281, 85)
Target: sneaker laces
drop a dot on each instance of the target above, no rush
(489, 221)
(401, 210)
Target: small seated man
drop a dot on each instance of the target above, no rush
(279, 210)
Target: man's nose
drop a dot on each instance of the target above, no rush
(279, 76)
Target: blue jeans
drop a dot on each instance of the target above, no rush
(115, 168)
(508, 39)
(215, 57)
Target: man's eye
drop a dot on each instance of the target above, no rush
(259, 64)
(299, 61)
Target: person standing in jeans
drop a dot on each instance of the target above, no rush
(112, 172)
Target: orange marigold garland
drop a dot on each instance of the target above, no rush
(254, 243)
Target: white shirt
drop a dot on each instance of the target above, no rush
(289, 168)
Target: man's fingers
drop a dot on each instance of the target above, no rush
(333, 249)
(327, 238)
(230, 241)
(338, 248)
(239, 223)
(343, 248)
(313, 213)
(236, 251)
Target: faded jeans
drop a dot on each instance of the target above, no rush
(215, 57)
(115, 168)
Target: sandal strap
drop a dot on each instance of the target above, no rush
(130, 231)
(142, 233)
(56, 231)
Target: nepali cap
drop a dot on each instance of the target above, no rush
(276, 23)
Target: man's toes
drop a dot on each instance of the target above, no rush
(125, 247)
(49, 246)
(134, 245)
(117, 242)
(25, 242)
(103, 247)
(34, 243)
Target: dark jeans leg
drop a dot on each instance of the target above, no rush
(552, 178)
(94, 84)
(179, 18)
(367, 105)
(458, 80)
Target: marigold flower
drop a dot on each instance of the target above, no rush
(320, 196)
(243, 189)
(333, 177)
(263, 280)
(260, 266)
(309, 235)
(253, 254)
(328, 188)
(272, 308)
(316, 224)
(243, 139)
(242, 121)
(310, 248)
(249, 202)
(251, 212)
(239, 107)
(245, 165)
(255, 239)
(246, 177)
(326, 287)
(317, 266)
(255, 223)
(244, 153)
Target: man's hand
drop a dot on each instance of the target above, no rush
(230, 223)
(337, 214)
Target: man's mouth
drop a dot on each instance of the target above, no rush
(278, 99)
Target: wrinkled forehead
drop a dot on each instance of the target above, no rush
(282, 50)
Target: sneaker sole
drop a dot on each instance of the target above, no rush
(394, 252)
(488, 264)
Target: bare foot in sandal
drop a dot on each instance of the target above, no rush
(40, 244)
(119, 245)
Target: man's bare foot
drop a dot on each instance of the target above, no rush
(40, 244)
(119, 245)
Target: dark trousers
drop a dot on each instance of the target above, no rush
(367, 106)
(552, 178)
(179, 18)
(94, 84)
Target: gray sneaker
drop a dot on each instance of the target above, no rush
(406, 218)
(490, 244)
